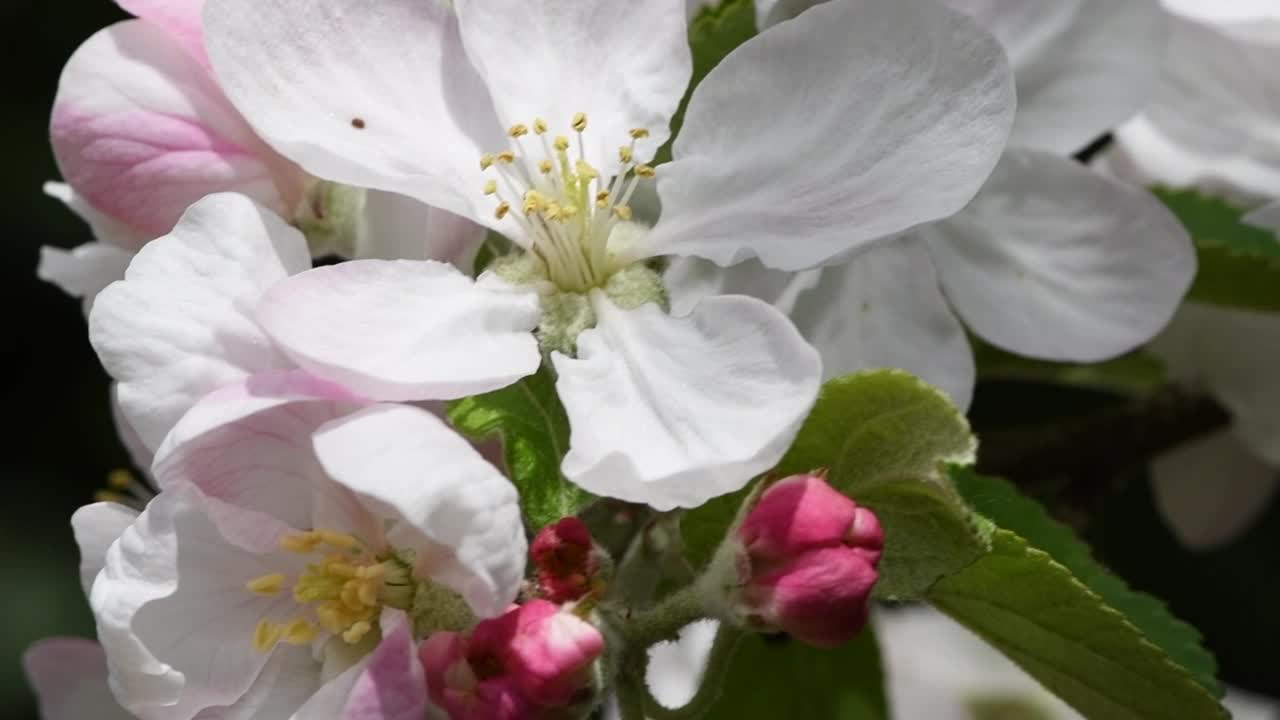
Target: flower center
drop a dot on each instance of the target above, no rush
(342, 593)
(566, 209)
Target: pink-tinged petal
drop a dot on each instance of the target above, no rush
(141, 455)
(404, 330)
(392, 684)
(179, 325)
(84, 271)
(179, 18)
(289, 679)
(141, 131)
(370, 93)
(106, 229)
(456, 511)
(673, 411)
(796, 514)
(1052, 260)
(69, 676)
(397, 227)
(96, 527)
(533, 55)
(829, 132)
(249, 444)
(172, 609)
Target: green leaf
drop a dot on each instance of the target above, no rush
(886, 438)
(1239, 263)
(1001, 502)
(713, 34)
(1033, 610)
(1136, 373)
(776, 677)
(534, 429)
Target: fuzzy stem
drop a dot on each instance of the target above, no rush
(662, 622)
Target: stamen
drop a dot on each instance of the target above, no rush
(623, 212)
(539, 126)
(579, 121)
(266, 635)
(486, 161)
(625, 154)
(491, 187)
(639, 133)
(518, 131)
(267, 585)
(356, 632)
(645, 171)
(502, 210)
(299, 631)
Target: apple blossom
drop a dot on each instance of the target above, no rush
(185, 320)
(1211, 489)
(141, 130)
(1048, 260)
(301, 541)
(540, 120)
(69, 676)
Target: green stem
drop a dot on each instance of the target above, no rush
(662, 622)
(631, 699)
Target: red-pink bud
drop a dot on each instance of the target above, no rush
(527, 664)
(808, 561)
(565, 559)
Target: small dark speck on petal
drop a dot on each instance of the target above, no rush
(358, 123)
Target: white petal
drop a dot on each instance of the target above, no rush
(675, 411)
(387, 684)
(139, 454)
(675, 668)
(1266, 217)
(179, 325)
(106, 229)
(69, 676)
(456, 511)
(180, 19)
(625, 64)
(884, 309)
(370, 93)
(1212, 122)
(403, 329)
(96, 527)
(286, 682)
(249, 444)
(1212, 489)
(141, 131)
(1082, 66)
(1054, 261)
(173, 612)
(690, 279)
(401, 228)
(1232, 353)
(84, 271)
(856, 121)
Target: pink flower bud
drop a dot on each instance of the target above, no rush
(808, 562)
(566, 560)
(528, 664)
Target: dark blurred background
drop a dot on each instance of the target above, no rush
(59, 443)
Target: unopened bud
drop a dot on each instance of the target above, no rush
(806, 562)
(566, 560)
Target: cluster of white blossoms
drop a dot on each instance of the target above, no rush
(844, 189)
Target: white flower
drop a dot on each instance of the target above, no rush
(861, 120)
(1212, 489)
(141, 130)
(297, 540)
(1212, 122)
(1049, 260)
(69, 676)
(185, 320)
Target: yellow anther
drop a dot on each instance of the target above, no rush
(265, 636)
(109, 496)
(539, 125)
(585, 171)
(533, 201)
(299, 631)
(266, 585)
(623, 212)
(551, 211)
(342, 541)
(330, 617)
(518, 130)
(343, 570)
(546, 166)
(356, 633)
(625, 154)
(602, 198)
(561, 143)
(486, 161)
(506, 157)
(579, 121)
(369, 594)
(645, 171)
(491, 187)
(501, 211)
(302, 543)
(120, 480)
(568, 212)
(639, 133)
(373, 572)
